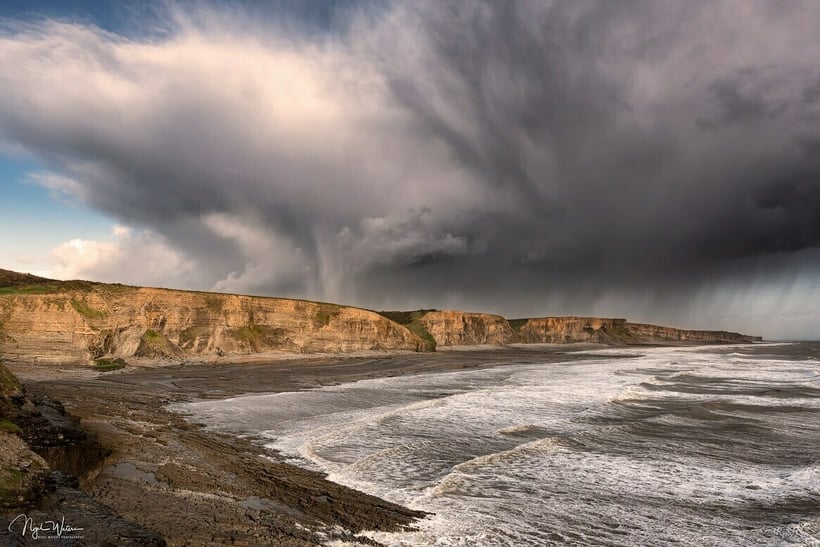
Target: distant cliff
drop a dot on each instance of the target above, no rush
(456, 328)
(561, 330)
(50, 321)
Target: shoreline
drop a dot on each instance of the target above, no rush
(194, 486)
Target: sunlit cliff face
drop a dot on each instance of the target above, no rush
(656, 161)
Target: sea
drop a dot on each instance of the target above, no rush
(689, 446)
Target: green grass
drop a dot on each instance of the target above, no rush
(107, 365)
(516, 324)
(621, 332)
(411, 320)
(47, 287)
(249, 334)
(29, 289)
(253, 334)
(8, 382)
(9, 427)
(152, 336)
(15, 283)
(86, 311)
(108, 289)
(325, 313)
(79, 285)
(154, 344)
(257, 336)
(11, 480)
(9, 278)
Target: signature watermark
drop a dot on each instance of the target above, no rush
(47, 529)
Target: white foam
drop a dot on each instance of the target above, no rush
(561, 453)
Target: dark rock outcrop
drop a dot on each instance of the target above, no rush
(43, 454)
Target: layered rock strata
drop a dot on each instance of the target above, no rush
(455, 328)
(111, 321)
(562, 330)
(46, 321)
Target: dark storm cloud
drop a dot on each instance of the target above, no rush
(737, 104)
(504, 154)
(542, 101)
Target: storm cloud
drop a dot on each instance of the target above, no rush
(530, 157)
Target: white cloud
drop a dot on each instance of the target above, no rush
(61, 187)
(121, 231)
(139, 258)
(192, 134)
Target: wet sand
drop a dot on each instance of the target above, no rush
(193, 486)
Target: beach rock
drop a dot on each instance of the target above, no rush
(43, 452)
(23, 474)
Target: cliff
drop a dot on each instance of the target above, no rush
(562, 330)
(648, 334)
(49, 321)
(81, 322)
(457, 328)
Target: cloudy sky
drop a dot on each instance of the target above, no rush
(654, 160)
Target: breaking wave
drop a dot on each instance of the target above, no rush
(692, 446)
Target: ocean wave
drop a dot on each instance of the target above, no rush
(692, 446)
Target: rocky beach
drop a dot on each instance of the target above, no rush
(127, 470)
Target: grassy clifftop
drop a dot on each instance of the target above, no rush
(16, 279)
(411, 320)
(23, 283)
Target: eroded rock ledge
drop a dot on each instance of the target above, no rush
(44, 452)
